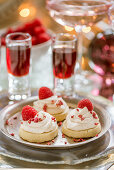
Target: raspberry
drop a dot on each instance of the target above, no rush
(36, 22)
(48, 143)
(59, 103)
(36, 120)
(28, 112)
(39, 119)
(7, 122)
(45, 107)
(12, 134)
(3, 42)
(20, 29)
(9, 31)
(63, 136)
(45, 92)
(28, 26)
(44, 116)
(29, 121)
(80, 116)
(74, 140)
(60, 123)
(43, 37)
(53, 101)
(53, 118)
(34, 40)
(94, 115)
(85, 103)
(39, 30)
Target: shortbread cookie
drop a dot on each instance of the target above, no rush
(82, 122)
(37, 126)
(81, 134)
(54, 105)
(38, 137)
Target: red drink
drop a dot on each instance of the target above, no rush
(18, 60)
(64, 60)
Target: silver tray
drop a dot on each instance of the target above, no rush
(15, 110)
(97, 154)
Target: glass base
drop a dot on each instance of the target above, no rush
(83, 82)
(0, 88)
(19, 87)
(18, 96)
(64, 87)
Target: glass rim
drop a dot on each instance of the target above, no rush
(60, 34)
(27, 38)
(77, 6)
(112, 6)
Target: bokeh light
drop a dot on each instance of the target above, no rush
(24, 12)
(86, 29)
(67, 28)
(27, 11)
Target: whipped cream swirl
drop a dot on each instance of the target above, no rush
(81, 119)
(52, 105)
(42, 122)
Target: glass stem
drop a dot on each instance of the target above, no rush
(79, 52)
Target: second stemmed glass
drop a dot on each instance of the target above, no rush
(78, 14)
(64, 59)
(111, 16)
(0, 59)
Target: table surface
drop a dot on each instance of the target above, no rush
(40, 77)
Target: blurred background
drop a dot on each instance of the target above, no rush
(98, 39)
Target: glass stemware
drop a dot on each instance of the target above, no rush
(0, 59)
(78, 14)
(111, 15)
(64, 60)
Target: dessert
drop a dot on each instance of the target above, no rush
(82, 122)
(54, 105)
(37, 126)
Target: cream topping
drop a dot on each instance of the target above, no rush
(44, 123)
(81, 119)
(53, 105)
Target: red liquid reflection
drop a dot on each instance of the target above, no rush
(102, 53)
(18, 60)
(64, 60)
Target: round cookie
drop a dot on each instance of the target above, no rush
(57, 112)
(61, 116)
(38, 137)
(81, 134)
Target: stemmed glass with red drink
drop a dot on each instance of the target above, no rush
(18, 50)
(0, 59)
(64, 60)
(111, 15)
